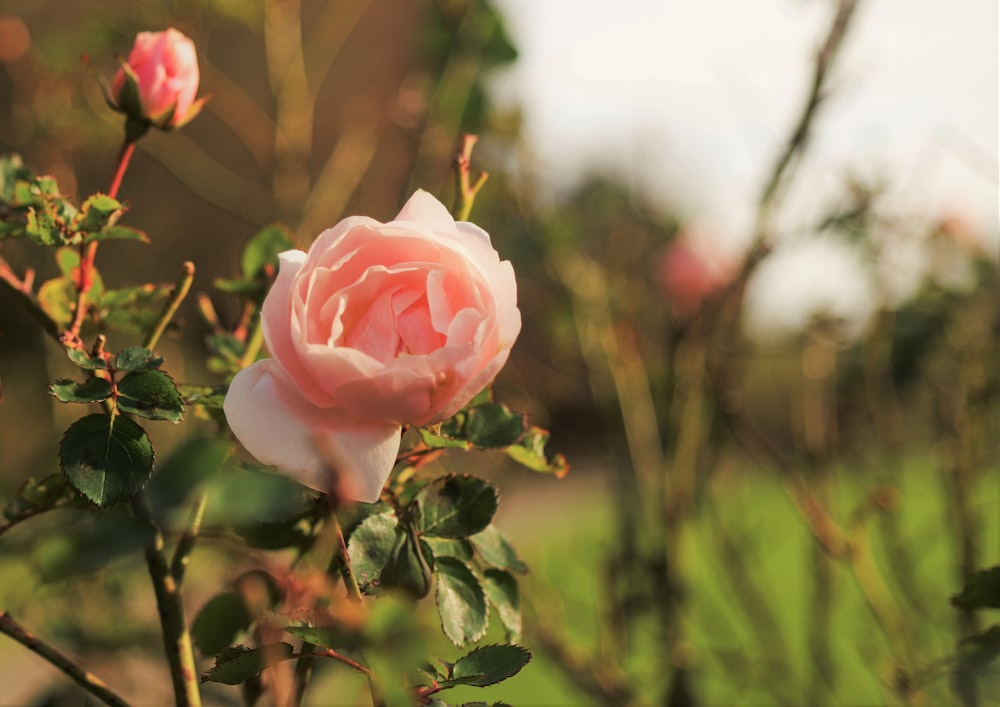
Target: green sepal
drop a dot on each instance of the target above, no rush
(107, 459)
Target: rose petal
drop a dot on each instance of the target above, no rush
(425, 209)
(317, 447)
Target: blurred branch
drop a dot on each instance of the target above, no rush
(799, 137)
(88, 681)
(598, 679)
(240, 113)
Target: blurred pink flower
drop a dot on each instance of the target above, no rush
(159, 81)
(693, 268)
(379, 325)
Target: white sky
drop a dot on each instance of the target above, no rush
(692, 100)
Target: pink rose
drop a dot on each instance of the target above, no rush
(379, 325)
(164, 69)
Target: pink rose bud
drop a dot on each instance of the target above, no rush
(378, 325)
(158, 83)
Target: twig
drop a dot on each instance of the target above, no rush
(177, 295)
(186, 543)
(88, 681)
(330, 653)
(176, 638)
(465, 189)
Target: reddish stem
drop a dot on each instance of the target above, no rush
(85, 274)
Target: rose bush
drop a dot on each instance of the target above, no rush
(162, 74)
(379, 325)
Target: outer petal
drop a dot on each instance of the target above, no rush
(424, 208)
(318, 447)
(276, 317)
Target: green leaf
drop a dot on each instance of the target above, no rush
(237, 664)
(456, 506)
(85, 361)
(136, 358)
(37, 496)
(407, 568)
(461, 602)
(58, 298)
(107, 459)
(98, 212)
(296, 532)
(239, 287)
(493, 426)
(118, 233)
(981, 590)
(436, 441)
(496, 551)
(92, 391)
(262, 251)
(502, 591)
(150, 394)
(489, 665)
(369, 549)
(325, 636)
(219, 622)
(460, 549)
(189, 465)
(979, 650)
(530, 452)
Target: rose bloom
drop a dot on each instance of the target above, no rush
(166, 69)
(379, 325)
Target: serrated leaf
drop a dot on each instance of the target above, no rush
(408, 568)
(324, 636)
(137, 358)
(85, 361)
(456, 506)
(461, 602)
(436, 441)
(219, 622)
(117, 233)
(369, 548)
(981, 590)
(150, 394)
(460, 549)
(107, 459)
(488, 665)
(502, 591)
(91, 391)
(58, 298)
(98, 212)
(496, 551)
(262, 250)
(493, 426)
(237, 664)
(530, 452)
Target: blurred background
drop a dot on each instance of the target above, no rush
(756, 245)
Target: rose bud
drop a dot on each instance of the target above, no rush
(377, 326)
(158, 83)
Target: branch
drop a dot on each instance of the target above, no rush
(91, 683)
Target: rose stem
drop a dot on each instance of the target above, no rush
(91, 683)
(177, 295)
(85, 278)
(176, 638)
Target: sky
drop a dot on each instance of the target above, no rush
(691, 101)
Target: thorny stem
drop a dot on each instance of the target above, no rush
(170, 307)
(465, 189)
(88, 681)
